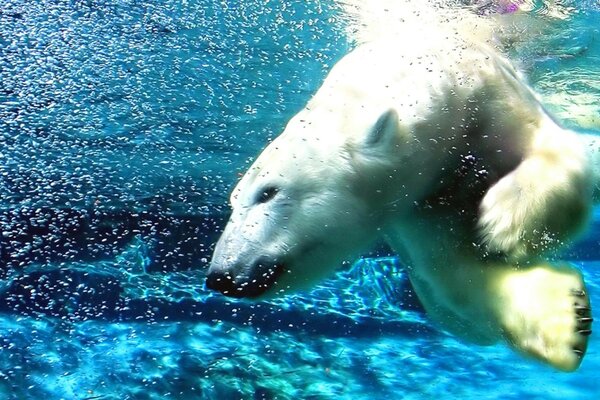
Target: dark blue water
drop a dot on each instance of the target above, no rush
(123, 126)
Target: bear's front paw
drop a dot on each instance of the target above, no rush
(507, 222)
(529, 212)
(546, 313)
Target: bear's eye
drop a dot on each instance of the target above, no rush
(266, 194)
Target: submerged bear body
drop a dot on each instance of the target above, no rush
(438, 146)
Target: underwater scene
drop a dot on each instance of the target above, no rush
(124, 126)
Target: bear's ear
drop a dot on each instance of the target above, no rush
(385, 130)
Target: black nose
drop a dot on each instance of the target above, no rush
(222, 282)
(262, 276)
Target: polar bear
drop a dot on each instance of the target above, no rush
(433, 142)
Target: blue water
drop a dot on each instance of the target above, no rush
(123, 126)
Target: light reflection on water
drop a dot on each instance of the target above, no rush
(563, 62)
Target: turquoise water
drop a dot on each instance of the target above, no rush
(123, 127)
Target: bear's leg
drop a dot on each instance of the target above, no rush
(540, 204)
(544, 312)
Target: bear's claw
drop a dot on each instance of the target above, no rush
(584, 313)
(583, 321)
(582, 310)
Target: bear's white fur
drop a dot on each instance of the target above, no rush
(429, 138)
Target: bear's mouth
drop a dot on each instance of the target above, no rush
(259, 280)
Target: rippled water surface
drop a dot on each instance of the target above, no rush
(123, 126)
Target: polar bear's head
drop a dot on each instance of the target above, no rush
(306, 204)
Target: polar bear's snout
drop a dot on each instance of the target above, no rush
(244, 280)
(243, 264)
